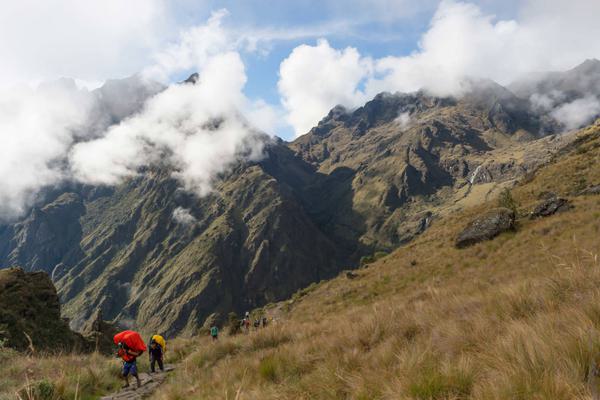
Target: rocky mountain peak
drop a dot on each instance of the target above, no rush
(192, 79)
(589, 66)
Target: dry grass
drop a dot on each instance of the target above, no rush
(69, 376)
(57, 376)
(514, 318)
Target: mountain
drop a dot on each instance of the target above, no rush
(402, 154)
(149, 254)
(563, 100)
(574, 83)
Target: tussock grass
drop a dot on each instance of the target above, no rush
(56, 377)
(514, 318)
(69, 376)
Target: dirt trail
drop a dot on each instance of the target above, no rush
(150, 382)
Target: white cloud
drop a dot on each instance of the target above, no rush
(578, 113)
(200, 129)
(60, 132)
(37, 126)
(196, 128)
(89, 40)
(194, 47)
(315, 78)
(462, 41)
(545, 102)
(183, 216)
(403, 120)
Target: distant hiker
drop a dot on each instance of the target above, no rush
(264, 322)
(256, 323)
(246, 324)
(131, 346)
(214, 332)
(156, 356)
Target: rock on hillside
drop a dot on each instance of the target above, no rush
(550, 206)
(30, 308)
(486, 227)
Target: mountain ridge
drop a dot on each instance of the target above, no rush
(361, 181)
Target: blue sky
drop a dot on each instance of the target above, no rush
(375, 28)
(377, 36)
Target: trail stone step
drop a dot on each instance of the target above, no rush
(149, 383)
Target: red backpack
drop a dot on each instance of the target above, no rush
(130, 340)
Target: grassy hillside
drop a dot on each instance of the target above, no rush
(517, 317)
(67, 376)
(56, 377)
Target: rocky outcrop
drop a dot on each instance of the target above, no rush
(549, 206)
(30, 314)
(486, 227)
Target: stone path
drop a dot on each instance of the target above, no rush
(150, 382)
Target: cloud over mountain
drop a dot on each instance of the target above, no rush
(462, 41)
(58, 132)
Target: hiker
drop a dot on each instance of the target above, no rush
(256, 324)
(156, 356)
(214, 332)
(162, 342)
(246, 324)
(264, 322)
(129, 364)
(131, 346)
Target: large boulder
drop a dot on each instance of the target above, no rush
(549, 206)
(486, 227)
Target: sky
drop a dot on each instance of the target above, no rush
(96, 40)
(272, 66)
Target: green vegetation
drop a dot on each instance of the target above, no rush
(233, 324)
(506, 200)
